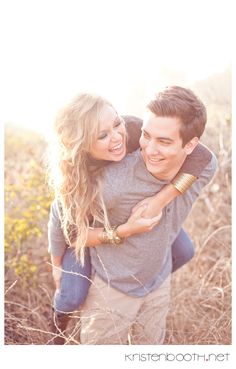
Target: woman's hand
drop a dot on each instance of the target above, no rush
(151, 207)
(137, 223)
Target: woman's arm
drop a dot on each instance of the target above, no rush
(191, 169)
(136, 223)
(169, 192)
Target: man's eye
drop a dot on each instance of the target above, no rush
(145, 135)
(165, 142)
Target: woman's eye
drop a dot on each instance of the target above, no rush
(101, 137)
(118, 123)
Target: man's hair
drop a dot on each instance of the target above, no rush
(181, 103)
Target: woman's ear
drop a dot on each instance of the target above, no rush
(190, 146)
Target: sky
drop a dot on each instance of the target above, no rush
(123, 50)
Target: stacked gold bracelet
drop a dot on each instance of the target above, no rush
(183, 181)
(110, 236)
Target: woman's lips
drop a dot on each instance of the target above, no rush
(117, 149)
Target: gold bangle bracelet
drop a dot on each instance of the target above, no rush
(110, 236)
(183, 181)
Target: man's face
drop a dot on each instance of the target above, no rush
(161, 146)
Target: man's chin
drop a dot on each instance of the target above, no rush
(156, 171)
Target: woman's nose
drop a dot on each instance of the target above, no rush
(115, 135)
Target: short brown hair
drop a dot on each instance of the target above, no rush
(181, 103)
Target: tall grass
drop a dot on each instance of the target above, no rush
(200, 311)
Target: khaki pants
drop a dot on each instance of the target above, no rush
(108, 316)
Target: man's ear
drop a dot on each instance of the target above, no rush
(190, 146)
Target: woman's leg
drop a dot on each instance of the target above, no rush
(74, 286)
(75, 282)
(182, 250)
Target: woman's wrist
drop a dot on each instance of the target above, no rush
(123, 230)
(183, 181)
(111, 236)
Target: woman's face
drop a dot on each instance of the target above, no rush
(111, 140)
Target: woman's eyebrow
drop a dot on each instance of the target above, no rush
(117, 118)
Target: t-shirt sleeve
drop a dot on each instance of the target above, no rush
(205, 177)
(56, 240)
(133, 127)
(197, 161)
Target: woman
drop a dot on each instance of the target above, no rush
(90, 134)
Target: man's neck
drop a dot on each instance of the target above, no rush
(171, 174)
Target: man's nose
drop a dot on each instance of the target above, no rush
(152, 148)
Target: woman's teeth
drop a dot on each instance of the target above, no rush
(117, 147)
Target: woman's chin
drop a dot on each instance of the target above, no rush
(118, 157)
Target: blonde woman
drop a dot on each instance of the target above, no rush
(90, 135)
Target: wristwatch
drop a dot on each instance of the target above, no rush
(116, 239)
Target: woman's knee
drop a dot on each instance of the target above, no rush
(74, 285)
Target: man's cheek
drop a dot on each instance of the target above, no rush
(142, 143)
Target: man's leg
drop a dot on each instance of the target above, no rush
(150, 325)
(107, 315)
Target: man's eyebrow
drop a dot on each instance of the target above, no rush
(158, 138)
(165, 138)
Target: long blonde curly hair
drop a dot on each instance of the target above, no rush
(77, 184)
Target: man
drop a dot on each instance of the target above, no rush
(130, 292)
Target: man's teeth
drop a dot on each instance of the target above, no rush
(155, 160)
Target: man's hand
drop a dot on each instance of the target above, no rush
(137, 223)
(56, 273)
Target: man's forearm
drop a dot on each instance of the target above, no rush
(56, 260)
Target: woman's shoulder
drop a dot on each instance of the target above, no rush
(133, 127)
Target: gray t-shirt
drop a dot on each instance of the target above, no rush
(143, 261)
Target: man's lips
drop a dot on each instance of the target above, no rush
(153, 160)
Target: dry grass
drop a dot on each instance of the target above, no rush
(200, 311)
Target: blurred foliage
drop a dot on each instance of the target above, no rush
(27, 202)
